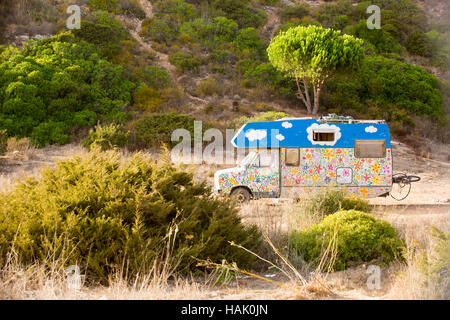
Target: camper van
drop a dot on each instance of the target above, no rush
(292, 157)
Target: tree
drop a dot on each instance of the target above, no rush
(313, 55)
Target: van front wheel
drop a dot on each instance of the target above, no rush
(241, 195)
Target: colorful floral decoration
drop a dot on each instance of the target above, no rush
(258, 179)
(317, 168)
(371, 177)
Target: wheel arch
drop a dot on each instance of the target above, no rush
(243, 187)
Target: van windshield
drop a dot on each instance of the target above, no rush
(247, 160)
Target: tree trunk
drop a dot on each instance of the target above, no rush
(305, 84)
(316, 99)
(307, 100)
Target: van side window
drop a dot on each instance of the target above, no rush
(323, 136)
(370, 148)
(264, 159)
(292, 157)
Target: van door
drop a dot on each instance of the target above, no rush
(264, 174)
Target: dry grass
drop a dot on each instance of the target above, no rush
(399, 281)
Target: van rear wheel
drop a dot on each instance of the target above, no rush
(241, 195)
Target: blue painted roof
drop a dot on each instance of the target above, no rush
(298, 133)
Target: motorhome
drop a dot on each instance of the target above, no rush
(292, 157)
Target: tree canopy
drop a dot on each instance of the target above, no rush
(313, 55)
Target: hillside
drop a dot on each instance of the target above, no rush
(201, 57)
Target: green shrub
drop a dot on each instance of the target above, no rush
(158, 30)
(147, 99)
(265, 73)
(248, 39)
(174, 11)
(224, 58)
(419, 44)
(184, 61)
(106, 137)
(293, 12)
(241, 12)
(128, 7)
(107, 5)
(153, 130)
(359, 238)
(208, 87)
(157, 77)
(441, 49)
(50, 131)
(332, 201)
(211, 32)
(104, 31)
(377, 39)
(104, 212)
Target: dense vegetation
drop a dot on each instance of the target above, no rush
(57, 84)
(104, 212)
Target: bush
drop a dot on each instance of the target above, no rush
(104, 31)
(359, 238)
(109, 5)
(377, 39)
(239, 11)
(208, 87)
(157, 77)
(248, 39)
(184, 61)
(158, 30)
(153, 130)
(106, 137)
(332, 201)
(419, 44)
(174, 11)
(441, 49)
(50, 131)
(103, 212)
(147, 99)
(293, 13)
(211, 32)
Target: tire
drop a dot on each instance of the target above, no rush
(242, 195)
